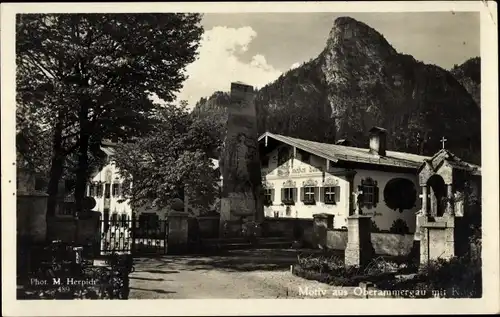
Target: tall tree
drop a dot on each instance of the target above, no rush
(173, 160)
(90, 77)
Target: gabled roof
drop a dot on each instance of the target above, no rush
(108, 147)
(444, 155)
(335, 152)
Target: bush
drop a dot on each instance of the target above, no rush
(458, 277)
(399, 226)
(332, 270)
(374, 227)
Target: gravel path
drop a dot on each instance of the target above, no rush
(253, 274)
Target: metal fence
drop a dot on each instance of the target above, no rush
(133, 236)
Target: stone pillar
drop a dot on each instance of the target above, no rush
(449, 201)
(240, 161)
(424, 201)
(359, 250)
(177, 235)
(321, 224)
(437, 239)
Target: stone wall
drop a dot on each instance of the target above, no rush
(208, 227)
(30, 216)
(383, 243)
(83, 231)
(285, 227)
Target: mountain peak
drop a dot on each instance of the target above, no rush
(348, 34)
(359, 81)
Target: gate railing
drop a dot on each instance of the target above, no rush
(130, 235)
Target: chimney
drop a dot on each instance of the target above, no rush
(377, 141)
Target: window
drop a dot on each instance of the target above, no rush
(268, 196)
(288, 211)
(309, 194)
(106, 219)
(107, 191)
(124, 221)
(331, 194)
(114, 219)
(288, 195)
(276, 214)
(369, 193)
(99, 189)
(116, 190)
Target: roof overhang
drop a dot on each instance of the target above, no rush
(264, 139)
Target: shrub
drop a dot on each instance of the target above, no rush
(458, 277)
(399, 226)
(56, 268)
(374, 227)
(332, 270)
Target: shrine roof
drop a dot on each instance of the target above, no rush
(336, 152)
(454, 161)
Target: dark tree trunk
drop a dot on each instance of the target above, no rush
(56, 168)
(83, 159)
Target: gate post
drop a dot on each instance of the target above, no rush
(132, 234)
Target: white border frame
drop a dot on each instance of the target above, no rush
(489, 90)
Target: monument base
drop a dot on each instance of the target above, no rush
(359, 250)
(438, 239)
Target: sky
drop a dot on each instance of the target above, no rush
(256, 48)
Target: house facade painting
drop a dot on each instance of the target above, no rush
(303, 178)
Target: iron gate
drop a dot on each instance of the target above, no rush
(129, 235)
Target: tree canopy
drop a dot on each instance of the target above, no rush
(173, 160)
(83, 78)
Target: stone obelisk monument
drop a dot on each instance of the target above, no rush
(241, 199)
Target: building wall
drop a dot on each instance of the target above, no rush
(110, 173)
(382, 214)
(295, 170)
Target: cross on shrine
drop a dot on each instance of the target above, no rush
(443, 140)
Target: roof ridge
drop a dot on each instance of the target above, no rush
(347, 146)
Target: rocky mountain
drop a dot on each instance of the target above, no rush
(359, 80)
(469, 75)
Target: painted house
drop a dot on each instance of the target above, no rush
(302, 178)
(106, 186)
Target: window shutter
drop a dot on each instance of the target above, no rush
(375, 198)
(282, 194)
(294, 191)
(302, 193)
(272, 195)
(337, 194)
(316, 193)
(321, 194)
